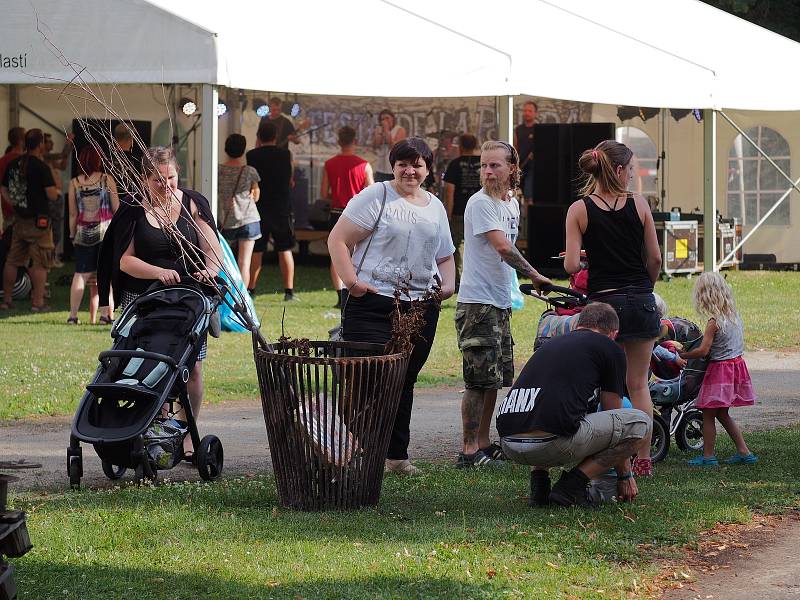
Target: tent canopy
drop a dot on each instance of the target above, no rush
(676, 53)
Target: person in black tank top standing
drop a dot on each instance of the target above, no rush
(616, 229)
(152, 255)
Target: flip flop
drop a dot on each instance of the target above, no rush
(106, 320)
(73, 321)
(188, 456)
(40, 309)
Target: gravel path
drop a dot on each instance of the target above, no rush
(435, 428)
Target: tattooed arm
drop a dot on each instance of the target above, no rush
(512, 257)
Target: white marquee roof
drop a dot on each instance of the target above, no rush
(661, 53)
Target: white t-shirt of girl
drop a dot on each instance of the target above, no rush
(407, 244)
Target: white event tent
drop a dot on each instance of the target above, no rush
(678, 54)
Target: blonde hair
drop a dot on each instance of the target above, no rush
(661, 306)
(713, 299)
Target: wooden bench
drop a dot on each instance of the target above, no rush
(304, 237)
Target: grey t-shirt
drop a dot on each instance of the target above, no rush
(244, 210)
(728, 341)
(486, 278)
(407, 244)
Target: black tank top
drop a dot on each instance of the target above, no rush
(614, 244)
(154, 247)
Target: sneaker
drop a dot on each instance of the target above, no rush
(495, 451)
(572, 489)
(287, 297)
(479, 459)
(739, 459)
(702, 461)
(404, 467)
(540, 488)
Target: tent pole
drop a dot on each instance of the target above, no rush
(210, 128)
(505, 118)
(709, 190)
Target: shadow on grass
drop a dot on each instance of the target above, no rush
(196, 578)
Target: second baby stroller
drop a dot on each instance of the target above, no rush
(128, 410)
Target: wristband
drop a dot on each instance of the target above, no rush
(625, 477)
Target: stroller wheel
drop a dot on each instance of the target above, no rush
(659, 446)
(210, 458)
(689, 435)
(75, 467)
(113, 471)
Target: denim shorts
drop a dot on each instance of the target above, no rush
(251, 231)
(637, 312)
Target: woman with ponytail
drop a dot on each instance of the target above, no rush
(616, 229)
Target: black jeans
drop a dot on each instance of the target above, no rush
(368, 319)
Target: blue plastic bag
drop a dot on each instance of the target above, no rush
(229, 320)
(517, 297)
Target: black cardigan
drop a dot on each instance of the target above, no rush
(118, 237)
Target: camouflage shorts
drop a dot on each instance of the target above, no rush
(484, 338)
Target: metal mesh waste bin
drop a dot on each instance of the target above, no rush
(329, 408)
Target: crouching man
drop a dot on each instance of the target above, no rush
(548, 418)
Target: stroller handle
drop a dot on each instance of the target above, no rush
(528, 289)
(138, 354)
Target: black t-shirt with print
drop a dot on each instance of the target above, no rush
(560, 383)
(26, 179)
(274, 166)
(464, 173)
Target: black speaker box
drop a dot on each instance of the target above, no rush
(556, 181)
(556, 150)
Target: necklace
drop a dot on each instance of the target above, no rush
(603, 200)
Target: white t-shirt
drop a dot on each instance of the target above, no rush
(407, 243)
(486, 278)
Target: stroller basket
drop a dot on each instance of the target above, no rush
(329, 408)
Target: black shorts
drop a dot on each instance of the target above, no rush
(278, 228)
(637, 312)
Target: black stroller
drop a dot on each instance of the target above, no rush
(127, 412)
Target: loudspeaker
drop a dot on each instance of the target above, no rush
(556, 150)
(547, 237)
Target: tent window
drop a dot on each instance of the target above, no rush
(754, 185)
(645, 156)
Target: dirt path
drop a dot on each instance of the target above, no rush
(757, 560)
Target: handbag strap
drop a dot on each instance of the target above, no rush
(369, 242)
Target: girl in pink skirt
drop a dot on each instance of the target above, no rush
(727, 381)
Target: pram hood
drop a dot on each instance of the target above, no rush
(156, 343)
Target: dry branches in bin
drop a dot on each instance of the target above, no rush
(407, 323)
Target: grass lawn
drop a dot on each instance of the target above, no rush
(44, 363)
(429, 537)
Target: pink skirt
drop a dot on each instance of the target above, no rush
(726, 383)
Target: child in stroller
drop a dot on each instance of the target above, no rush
(128, 409)
(677, 386)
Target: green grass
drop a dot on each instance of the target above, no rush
(44, 363)
(443, 534)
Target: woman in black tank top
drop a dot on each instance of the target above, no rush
(616, 229)
(153, 254)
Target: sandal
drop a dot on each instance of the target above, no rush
(6, 306)
(702, 461)
(73, 321)
(40, 309)
(400, 466)
(106, 320)
(642, 467)
(741, 459)
(188, 456)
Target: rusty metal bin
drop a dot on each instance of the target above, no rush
(329, 408)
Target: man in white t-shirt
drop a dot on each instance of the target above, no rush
(491, 222)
